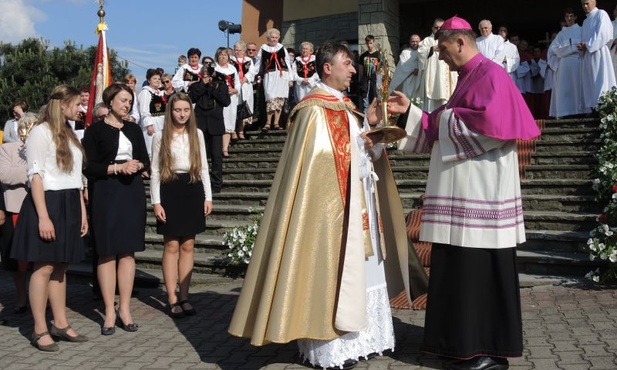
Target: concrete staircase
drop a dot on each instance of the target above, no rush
(557, 197)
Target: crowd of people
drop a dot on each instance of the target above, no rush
(465, 99)
(560, 77)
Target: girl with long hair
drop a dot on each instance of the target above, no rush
(52, 219)
(181, 197)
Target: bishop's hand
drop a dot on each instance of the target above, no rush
(398, 103)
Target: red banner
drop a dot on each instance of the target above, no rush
(101, 74)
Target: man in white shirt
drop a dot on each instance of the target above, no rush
(598, 74)
(511, 59)
(490, 45)
(408, 76)
(439, 81)
(564, 59)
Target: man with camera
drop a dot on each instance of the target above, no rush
(210, 97)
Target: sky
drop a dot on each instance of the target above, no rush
(147, 33)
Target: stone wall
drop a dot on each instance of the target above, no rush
(319, 29)
(380, 18)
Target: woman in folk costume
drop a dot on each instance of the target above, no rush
(332, 231)
(152, 102)
(228, 74)
(305, 73)
(245, 68)
(188, 73)
(274, 62)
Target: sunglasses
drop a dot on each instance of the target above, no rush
(251, 49)
(167, 81)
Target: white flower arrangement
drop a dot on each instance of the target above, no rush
(241, 241)
(603, 242)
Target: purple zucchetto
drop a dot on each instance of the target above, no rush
(455, 23)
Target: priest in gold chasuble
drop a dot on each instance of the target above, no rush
(332, 245)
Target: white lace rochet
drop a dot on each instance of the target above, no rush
(376, 338)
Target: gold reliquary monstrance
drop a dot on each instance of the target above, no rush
(387, 132)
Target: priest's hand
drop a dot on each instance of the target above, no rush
(398, 103)
(370, 139)
(373, 113)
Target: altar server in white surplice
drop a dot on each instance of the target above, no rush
(439, 81)
(408, 77)
(597, 67)
(490, 45)
(567, 98)
(511, 59)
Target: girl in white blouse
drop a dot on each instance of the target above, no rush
(52, 219)
(181, 196)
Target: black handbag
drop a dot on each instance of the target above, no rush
(244, 111)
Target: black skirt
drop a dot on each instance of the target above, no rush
(118, 214)
(6, 238)
(474, 304)
(64, 209)
(183, 203)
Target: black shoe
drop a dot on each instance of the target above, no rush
(132, 327)
(175, 314)
(53, 347)
(371, 355)
(20, 310)
(348, 364)
(62, 334)
(188, 312)
(480, 363)
(108, 330)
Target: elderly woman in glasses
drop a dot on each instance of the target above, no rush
(245, 68)
(275, 62)
(168, 89)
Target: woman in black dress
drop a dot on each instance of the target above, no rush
(117, 157)
(181, 197)
(52, 219)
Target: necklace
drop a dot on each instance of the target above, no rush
(114, 125)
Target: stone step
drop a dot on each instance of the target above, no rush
(223, 211)
(213, 226)
(559, 171)
(214, 269)
(235, 165)
(532, 186)
(567, 158)
(561, 203)
(559, 146)
(204, 243)
(560, 221)
(571, 123)
(573, 134)
(556, 241)
(556, 186)
(152, 277)
(204, 263)
(555, 263)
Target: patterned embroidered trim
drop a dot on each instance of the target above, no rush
(338, 126)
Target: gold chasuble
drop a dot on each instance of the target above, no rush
(303, 270)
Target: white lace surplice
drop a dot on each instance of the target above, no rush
(378, 335)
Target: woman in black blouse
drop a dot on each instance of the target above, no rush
(117, 156)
